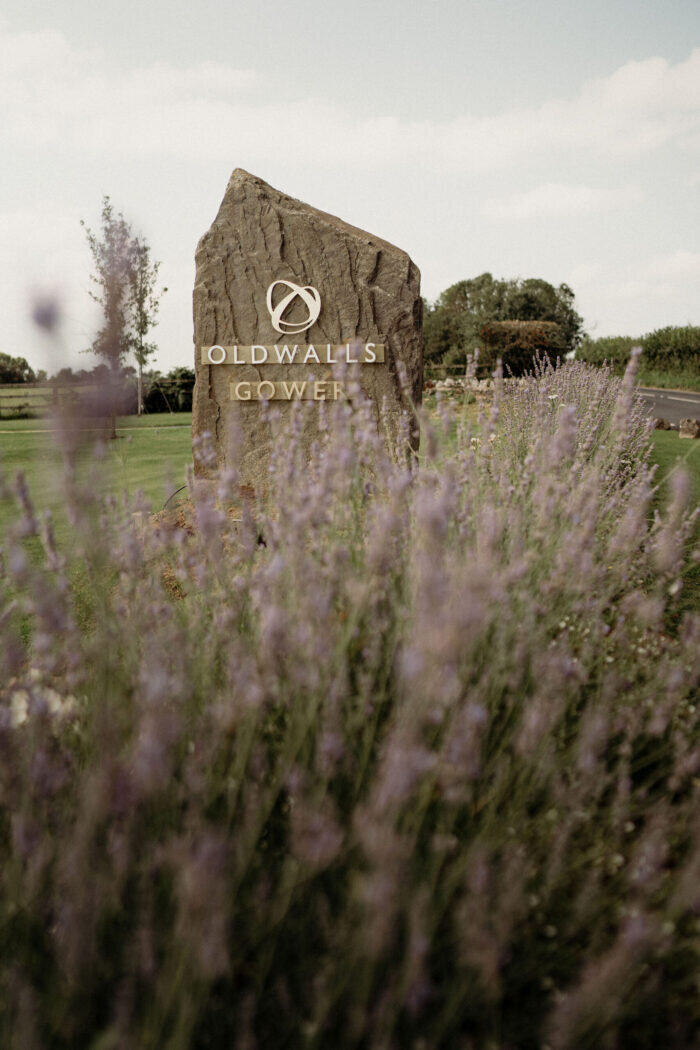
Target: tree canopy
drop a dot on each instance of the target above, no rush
(15, 370)
(454, 325)
(111, 256)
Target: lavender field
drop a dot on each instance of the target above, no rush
(403, 756)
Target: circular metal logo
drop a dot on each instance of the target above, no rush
(307, 294)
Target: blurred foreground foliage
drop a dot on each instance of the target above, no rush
(389, 756)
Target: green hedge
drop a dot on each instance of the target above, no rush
(517, 344)
(672, 348)
(666, 349)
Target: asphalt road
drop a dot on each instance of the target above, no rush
(672, 405)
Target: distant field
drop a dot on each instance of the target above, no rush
(36, 398)
(668, 380)
(124, 423)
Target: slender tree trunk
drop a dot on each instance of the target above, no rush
(113, 393)
(139, 410)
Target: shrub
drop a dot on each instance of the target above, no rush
(671, 349)
(453, 323)
(15, 370)
(170, 393)
(517, 344)
(666, 350)
(403, 757)
(614, 349)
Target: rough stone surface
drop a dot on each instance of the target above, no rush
(689, 428)
(370, 291)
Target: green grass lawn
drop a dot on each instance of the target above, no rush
(669, 454)
(150, 454)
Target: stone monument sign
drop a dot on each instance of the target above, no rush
(283, 293)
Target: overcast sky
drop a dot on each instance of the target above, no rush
(530, 138)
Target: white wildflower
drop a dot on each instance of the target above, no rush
(19, 707)
(58, 706)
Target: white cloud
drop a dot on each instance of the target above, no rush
(559, 199)
(159, 138)
(53, 92)
(654, 276)
(43, 251)
(642, 295)
(680, 265)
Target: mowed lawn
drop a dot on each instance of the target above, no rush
(150, 455)
(669, 452)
